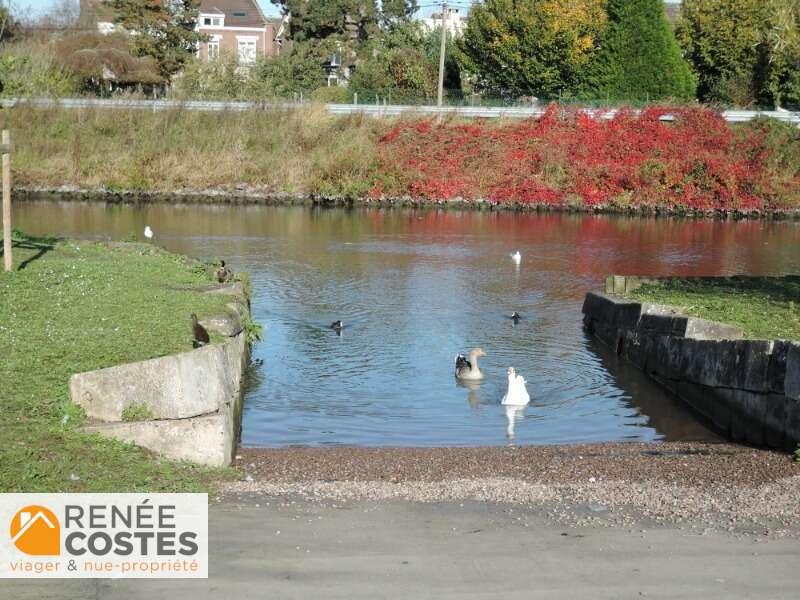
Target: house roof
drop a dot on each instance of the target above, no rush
(238, 13)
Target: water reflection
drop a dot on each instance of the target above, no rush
(513, 414)
(473, 388)
(414, 288)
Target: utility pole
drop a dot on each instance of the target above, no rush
(441, 54)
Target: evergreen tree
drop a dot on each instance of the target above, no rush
(321, 19)
(639, 58)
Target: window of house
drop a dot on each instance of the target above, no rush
(213, 47)
(246, 49)
(212, 21)
(239, 14)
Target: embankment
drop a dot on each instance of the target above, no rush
(696, 164)
(71, 307)
(749, 389)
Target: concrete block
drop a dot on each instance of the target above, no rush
(662, 324)
(228, 289)
(754, 409)
(206, 440)
(619, 284)
(775, 417)
(171, 387)
(610, 317)
(699, 398)
(792, 379)
(228, 324)
(742, 364)
(721, 410)
(792, 428)
(776, 370)
(701, 329)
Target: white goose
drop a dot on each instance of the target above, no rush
(517, 394)
(516, 257)
(148, 233)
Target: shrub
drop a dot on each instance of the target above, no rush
(33, 69)
(217, 79)
(335, 94)
(697, 161)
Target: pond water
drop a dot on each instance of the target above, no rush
(414, 287)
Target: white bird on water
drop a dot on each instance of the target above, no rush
(516, 257)
(517, 394)
(148, 233)
(515, 400)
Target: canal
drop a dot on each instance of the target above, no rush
(415, 287)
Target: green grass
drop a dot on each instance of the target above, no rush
(69, 307)
(136, 412)
(764, 307)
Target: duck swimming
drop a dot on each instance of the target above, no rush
(517, 394)
(224, 274)
(199, 333)
(337, 326)
(516, 257)
(515, 317)
(468, 369)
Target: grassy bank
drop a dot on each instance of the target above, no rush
(286, 151)
(565, 159)
(765, 308)
(76, 306)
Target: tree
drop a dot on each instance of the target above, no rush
(744, 51)
(639, 58)
(780, 54)
(394, 12)
(395, 64)
(721, 40)
(163, 29)
(298, 72)
(320, 19)
(8, 24)
(530, 47)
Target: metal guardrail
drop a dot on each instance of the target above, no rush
(376, 110)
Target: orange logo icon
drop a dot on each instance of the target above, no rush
(35, 530)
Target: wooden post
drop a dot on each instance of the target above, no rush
(7, 260)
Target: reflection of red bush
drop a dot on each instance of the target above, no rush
(696, 161)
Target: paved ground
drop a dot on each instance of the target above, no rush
(268, 547)
(680, 520)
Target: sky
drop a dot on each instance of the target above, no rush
(270, 10)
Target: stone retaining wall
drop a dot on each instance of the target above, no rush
(193, 400)
(749, 389)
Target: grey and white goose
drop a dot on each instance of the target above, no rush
(468, 370)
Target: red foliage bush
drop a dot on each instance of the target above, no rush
(695, 161)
